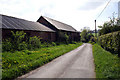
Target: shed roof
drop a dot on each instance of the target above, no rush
(59, 25)
(8, 22)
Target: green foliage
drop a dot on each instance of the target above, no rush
(22, 46)
(15, 42)
(53, 44)
(85, 36)
(17, 38)
(6, 45)
(20, 62)
(89, 36)
(18, 41)
(111, 42)
(93, 40)
(110, 26)
(108, 29)
(73, 42)
(34, 42)
(107, 65)
(63, 37)
(66, 38)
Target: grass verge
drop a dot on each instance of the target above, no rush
(107, 65)
(20, 62)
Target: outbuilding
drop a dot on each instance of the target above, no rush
(60, 28)
(8, 24)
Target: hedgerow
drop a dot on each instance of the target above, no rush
(111, 42)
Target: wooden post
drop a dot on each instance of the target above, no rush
(95, 30)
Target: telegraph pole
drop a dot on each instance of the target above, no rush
(95, 30)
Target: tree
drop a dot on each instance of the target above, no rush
(89, 36)
(84, 36)
(110, 26)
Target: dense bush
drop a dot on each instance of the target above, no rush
(18, 41)
(86, 36)
(6, 46)
(110, 26)
(111, 42)
(93, 40)
(15, 42)
(34, 42)
(108, 29)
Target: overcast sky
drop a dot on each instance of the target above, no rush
(77, 13)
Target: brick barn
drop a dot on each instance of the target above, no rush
(60, 27)
(9, 24)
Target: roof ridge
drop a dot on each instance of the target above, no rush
(56, 20)
(59, 22)
(16, 17)
(22, 24)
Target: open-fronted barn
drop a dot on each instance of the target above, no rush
(60, 27)
(9, 24)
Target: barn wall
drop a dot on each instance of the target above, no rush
(6, 33)
(46, 36)
(74, 36)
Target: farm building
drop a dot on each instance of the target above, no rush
(46, 28)
(9, 24)
(60, 28)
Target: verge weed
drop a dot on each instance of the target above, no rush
(107, 65)
(20, 62)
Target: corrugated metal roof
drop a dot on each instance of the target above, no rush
(59, 25)
(9, 22)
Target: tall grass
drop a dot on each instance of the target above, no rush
(20, 62)
(107, 65)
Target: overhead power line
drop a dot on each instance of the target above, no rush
(103, 9)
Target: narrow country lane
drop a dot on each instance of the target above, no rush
(75, 64)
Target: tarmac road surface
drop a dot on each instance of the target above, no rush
(78, 63)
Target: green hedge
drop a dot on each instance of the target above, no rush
(111, 42)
